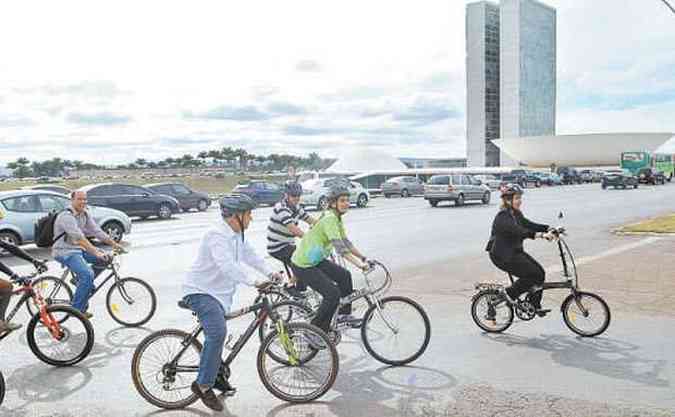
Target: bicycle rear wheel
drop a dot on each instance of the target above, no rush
(155, 379)
(586, 314)
(490, 315)
(131, 302)
(53, 290)
(306, 380)
(60, 336)
(397, 334)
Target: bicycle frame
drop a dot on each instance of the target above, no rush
(113, 274)
(263, 309)
(29, 292)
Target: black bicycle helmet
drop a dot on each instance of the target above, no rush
(336, 192)
(294, 189)
(235, 203)
(509, 190)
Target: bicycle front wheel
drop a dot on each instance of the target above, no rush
(288, 311)
(300, 380)
(60, 336)
(398, 332)
(2, 388)
(131, 302)
(586, 314)
(53, 290)
(154, 369)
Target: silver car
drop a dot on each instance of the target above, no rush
(23, 208)
(457, 188)
(490, 180)
(315, 192)
(403, 186)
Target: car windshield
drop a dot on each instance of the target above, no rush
(442, 180)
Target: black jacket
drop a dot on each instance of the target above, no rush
(509, 229)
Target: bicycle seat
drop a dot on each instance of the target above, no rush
(184, 305)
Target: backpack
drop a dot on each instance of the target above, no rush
(44, 230)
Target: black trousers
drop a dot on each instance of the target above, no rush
(529, 273)
(284, 256)
(331, 281)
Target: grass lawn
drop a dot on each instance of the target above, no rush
(204, 184)
(664, 224)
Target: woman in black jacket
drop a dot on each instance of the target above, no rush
(509, 229)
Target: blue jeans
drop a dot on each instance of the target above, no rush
(212, 318)
(80, 264)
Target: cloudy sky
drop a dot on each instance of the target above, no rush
(152, 79)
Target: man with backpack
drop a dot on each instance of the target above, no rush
(73, 250)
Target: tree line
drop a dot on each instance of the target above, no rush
(227, 157)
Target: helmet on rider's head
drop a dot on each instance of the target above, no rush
(509, 190)
(293, 189)
(337, 191)
(234, 204)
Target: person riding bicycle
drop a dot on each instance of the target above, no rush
(509, 229)
(73, 250)
(283, 228)
(6, 286)
(311, 265)
(211, 283)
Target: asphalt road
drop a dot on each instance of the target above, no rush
(536, 368)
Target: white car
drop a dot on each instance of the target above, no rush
(315, 193)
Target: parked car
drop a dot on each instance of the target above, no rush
(586, 175)
(491, 181)
(619, 178)
(24, 207)
(522, 177)
(133, 200)
(262, 192)
(597, 175)
(315, 192)
(651, 176)
(457, 188)
(403, 186)
(187, 198)
(549, 178)
(569, 175)
(55, 188)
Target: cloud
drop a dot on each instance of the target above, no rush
(286, 109)
(15, 120)
(99, 89)
(424, 112)
(241, 114)
(308, 65)
(98, 119)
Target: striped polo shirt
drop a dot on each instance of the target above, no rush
(278, 235)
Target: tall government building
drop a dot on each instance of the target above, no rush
(511, 75)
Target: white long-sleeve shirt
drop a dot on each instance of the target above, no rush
(218, 267)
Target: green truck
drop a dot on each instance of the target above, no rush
(635, 161)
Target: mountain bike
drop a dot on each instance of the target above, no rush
(395, 330)
(166, 362)
(584, 313)
(58, 335)
(130, 301)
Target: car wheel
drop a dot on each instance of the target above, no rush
(9, 237)
(486, 198)
(387, 196)
(164, 211)
(362, 201)
(433, 203)
(323, 203)
(405, 193)
(114, 230)
(202, 205)
(460, 200)
(537, 184)
(635, 186)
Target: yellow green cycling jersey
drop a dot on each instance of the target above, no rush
(317, 244)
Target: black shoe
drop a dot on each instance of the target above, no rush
(223, 385)
(542, 312)
(208, 397)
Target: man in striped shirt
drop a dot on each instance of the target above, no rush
(283, 227)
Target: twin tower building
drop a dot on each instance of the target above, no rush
(511, 75)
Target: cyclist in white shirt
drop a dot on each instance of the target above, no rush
(211, 284)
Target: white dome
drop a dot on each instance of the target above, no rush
(358, 160)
